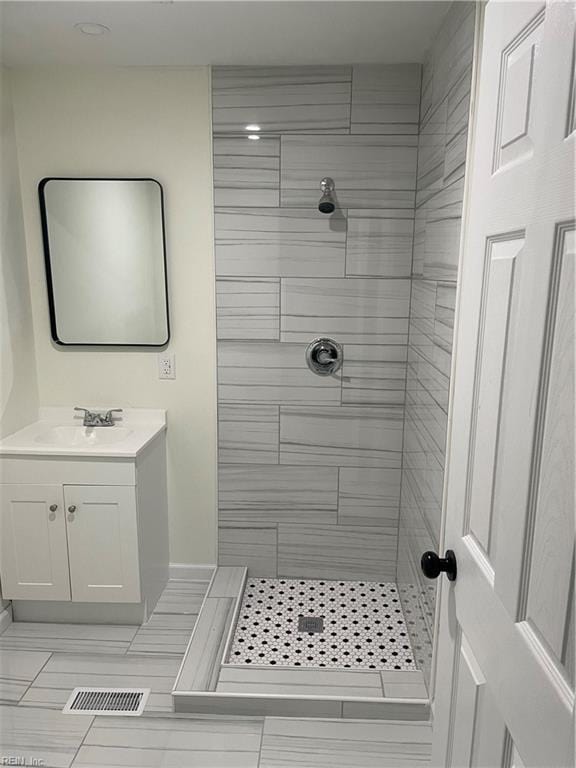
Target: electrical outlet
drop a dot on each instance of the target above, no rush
(166, 366)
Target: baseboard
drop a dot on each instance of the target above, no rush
(190, 572)
(53, 611)
(6, 618)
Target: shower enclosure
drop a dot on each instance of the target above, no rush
(330, 485)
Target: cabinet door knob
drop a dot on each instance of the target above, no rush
(72, 509)
(53, 507)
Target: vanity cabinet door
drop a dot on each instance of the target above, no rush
(102, 543)
(33, 549)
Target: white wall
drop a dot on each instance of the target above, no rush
(128, 122)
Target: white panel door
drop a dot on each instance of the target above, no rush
(504, 682)
(102, 543)
(33, 549)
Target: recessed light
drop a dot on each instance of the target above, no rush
(252, 128)
(254, 137)
(91, 28)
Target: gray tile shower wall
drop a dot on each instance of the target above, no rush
(446, 87)
(309, 466)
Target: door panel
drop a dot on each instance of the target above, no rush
(510, 492)
(33, 549)
(501, 255)
(549, 562)
(103, 543)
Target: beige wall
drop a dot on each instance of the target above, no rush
(128, 122)
(18, 388)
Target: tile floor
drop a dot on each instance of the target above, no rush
(41, 663)
(363, 625)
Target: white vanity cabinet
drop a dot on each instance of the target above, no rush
(82, 529)
(102, 529)
(71, 542)
(33, 543)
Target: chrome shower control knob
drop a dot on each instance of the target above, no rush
(324, 356)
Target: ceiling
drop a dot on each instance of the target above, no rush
(180, 33)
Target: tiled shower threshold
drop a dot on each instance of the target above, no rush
(210, 681)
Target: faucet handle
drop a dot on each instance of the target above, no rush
(109, 413)
(85, 410)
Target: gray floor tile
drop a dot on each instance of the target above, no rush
(29, 734)
(71, 638)
(315, 743)
(64, 672)
(164, 633)
(171, 743)
(17, 670)
(182, 597)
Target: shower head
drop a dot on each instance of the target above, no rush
(327, 204)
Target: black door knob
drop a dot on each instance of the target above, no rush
(432, 565)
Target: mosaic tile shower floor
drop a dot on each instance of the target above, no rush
(363, 627)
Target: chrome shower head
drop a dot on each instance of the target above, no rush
(327, 203)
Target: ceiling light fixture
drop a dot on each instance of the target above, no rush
(252, 128)
(91, 28)
(254, 137)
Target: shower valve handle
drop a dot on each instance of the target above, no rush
(432, 565)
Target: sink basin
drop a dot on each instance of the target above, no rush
(59, 432)
(65, 436)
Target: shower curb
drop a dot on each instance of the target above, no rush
(196, 686)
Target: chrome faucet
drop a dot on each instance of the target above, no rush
(96, 419)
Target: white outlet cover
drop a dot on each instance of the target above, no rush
(166, 366)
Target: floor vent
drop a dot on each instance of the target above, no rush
(107, 701)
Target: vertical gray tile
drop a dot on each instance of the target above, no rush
(345, 436)
(374, 374)
(444, 112)
(281, 99)
(359, 310)
(272, 242)
(385, 98)
(431, 152)
(337, 552)
(269, 494)
(248, 308)
(270, 374)
(442, 236)
(369, 171)
(369, 497)
(249, 544)
(248, 434)
(246, 172)
(379, 243)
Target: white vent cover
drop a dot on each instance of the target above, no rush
(107, 701)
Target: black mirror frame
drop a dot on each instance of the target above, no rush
(48, 266)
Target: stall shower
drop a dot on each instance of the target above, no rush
(330, 486)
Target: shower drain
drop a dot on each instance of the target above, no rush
(310, 624)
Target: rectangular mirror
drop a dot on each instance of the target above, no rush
(104, 247)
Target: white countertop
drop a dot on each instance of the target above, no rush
(60, 432)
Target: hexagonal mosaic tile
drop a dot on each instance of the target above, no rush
(363, 625)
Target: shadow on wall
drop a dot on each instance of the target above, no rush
(18, 386)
